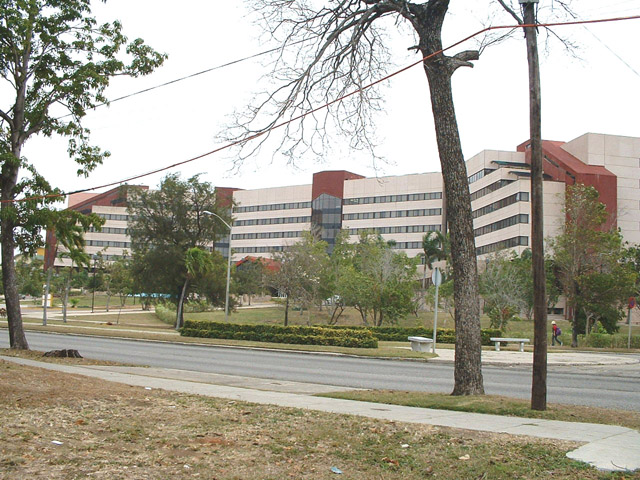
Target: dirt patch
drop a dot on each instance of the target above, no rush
(60, 426)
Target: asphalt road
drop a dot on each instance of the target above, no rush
(612, 387)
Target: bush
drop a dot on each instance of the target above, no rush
(354, 338)
(165, 314)
(400, 334)
(605, 340)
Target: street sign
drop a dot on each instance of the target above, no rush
(436, 277)
(632, 303)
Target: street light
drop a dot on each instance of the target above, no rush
(226, 299)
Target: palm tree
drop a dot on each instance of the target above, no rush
(436, 247)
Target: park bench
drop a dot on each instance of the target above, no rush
(421, 344)
(521, 341)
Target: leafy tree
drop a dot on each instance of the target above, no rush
(587, 257)
(603, 296)
(333, 48)
(299, 277)
(80, 259)
(500, 288)
(525, 291)
(378, 282)
(66, 229)
(248, 279)
(121, 279)
(54, 59)
(168, 224)
(30, 276)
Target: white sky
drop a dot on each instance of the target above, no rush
(594, 93)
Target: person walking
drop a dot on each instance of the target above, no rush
(555, 334)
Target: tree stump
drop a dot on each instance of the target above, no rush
(65, 353)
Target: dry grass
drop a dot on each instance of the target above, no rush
(112, 431)
(496, 405)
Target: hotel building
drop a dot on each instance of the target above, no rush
(404, 208)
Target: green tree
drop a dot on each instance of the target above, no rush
(378, 282)
(54, 58)
(30, 276)
(168, 223)
(500, 288)
(121, 279)
(299, 278)
(584, 252)
(248, 279)
(523, 267)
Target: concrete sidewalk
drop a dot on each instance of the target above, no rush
(608, 448)
(510, 357)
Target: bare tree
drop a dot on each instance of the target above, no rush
(339, 47)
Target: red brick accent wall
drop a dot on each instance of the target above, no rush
(331, 182)
(561, 166)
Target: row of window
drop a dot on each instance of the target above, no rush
(490, 188)
(510, 200)
(412, 197)
(481, 174)
(113, 216)
(421, 212)
(275, 206)
(119, 231)
(399, 229)
(271, 221)
(269, 249)
(507, 222)
(252, 236)
(106, 243)
(406, 245)
(501, 245)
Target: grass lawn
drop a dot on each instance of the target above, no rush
(496, 405)
(58, 426)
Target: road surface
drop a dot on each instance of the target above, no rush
(610, 387)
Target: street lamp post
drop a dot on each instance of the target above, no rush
(226, 299)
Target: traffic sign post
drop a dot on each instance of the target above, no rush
(436, 278)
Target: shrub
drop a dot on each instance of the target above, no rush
(400, 334)
(165, 314)
(355, 338)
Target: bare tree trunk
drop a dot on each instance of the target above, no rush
(468, 373)
(17, 338)
(47, 289)
(286, 311)
(180, 306)
(539, 380)
(427, 20)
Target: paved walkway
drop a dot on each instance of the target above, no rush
(510, 357)
(606, 447)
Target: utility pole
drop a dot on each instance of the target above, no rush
(539, 381)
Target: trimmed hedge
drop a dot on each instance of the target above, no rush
(604, 340)
(301, 335)
(400, 334)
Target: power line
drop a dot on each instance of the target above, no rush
(186, 77)
(326, 105)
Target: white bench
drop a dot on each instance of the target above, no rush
(421, 344)
(521, 341)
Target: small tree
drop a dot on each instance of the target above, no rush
(168, 223)
(121, 279)
(248, 279)
(300, 274)
(584, 251)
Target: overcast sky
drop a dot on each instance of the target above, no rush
(596, 92)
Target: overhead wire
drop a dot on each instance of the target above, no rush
(321, 107)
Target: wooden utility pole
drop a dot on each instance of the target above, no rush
(539, 381)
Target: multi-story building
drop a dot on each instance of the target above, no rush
(403, 208)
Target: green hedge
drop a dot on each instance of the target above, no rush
(604, 340)
(354, 338)
(400, 334)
